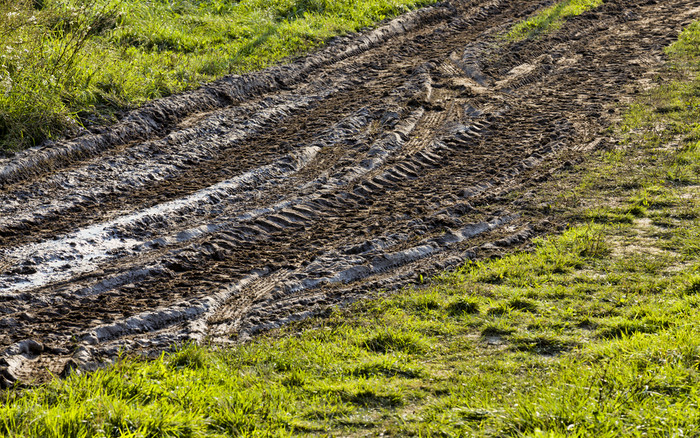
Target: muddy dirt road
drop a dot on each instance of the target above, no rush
(268, 197)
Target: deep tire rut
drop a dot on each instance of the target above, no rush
(265, 198)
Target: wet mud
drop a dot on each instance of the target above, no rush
(265, 198)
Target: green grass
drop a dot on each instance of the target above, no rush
(550, 18)
(593, 332)
(66, 63)
(589, 344)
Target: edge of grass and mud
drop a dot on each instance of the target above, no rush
(71, 65)
(592, 332)
(67, 65)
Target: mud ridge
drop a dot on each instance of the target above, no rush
(158, 116)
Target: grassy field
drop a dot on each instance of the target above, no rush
(593, 332)
(67, 63)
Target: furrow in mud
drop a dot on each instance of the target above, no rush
(162, 114)
(105, 186)
(266, 198)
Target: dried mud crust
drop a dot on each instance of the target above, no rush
(265, 198)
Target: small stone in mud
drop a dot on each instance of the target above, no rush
(30, 347)
(24, 270)
(6, 379)
(69, 368)
(89, 339)
(8, 322)
(26, 317)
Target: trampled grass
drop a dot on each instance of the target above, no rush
(590, 333)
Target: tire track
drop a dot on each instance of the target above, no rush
(265, 198)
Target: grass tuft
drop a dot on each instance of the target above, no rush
(462, 306)
(541, 344)
(550, 18)
(523, 304)
(188, 357)
(391, 340)
(386, 367)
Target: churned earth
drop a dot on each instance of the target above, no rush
(259, 199)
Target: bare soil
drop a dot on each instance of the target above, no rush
(259, 199)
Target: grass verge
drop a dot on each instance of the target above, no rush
(592, 333)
